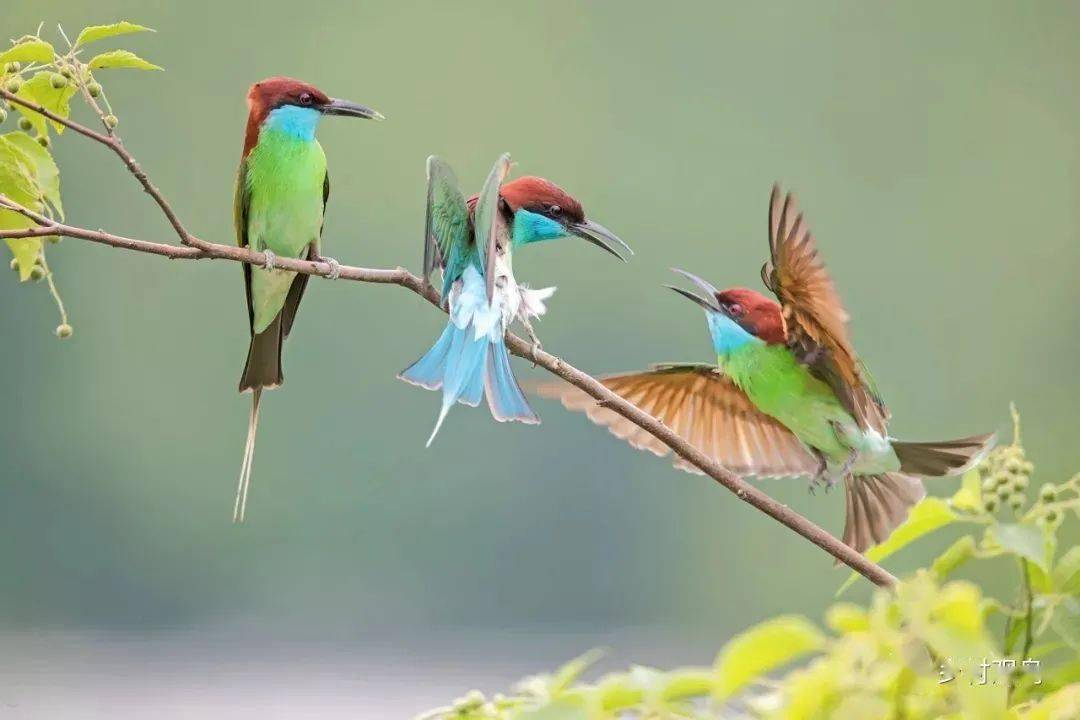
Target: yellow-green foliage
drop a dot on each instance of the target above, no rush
(35, 71)
(929, 648)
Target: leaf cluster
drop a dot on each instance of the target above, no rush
(932, 647)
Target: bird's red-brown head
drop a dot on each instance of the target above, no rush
(755, 313)
(541, 210)
(266, 96)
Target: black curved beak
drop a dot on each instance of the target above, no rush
(336, 106)
(601, 237)
(708, 302)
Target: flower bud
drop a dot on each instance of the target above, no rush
(64, 331)
(58, 81)
(67, 72)
(25, 125)
(94, 89)
(37, 273)
(13, 85)
(1016, 500)
(1047, 493)
(111, 121)
(990, 504)
(43, 140)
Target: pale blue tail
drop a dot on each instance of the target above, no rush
(466, 367)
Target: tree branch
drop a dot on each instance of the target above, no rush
(194, 248)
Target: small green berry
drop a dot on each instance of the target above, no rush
(1014, 466)
(25, 125)
(94, 89)
(1020, 483)
(67, 72)
(990, 504)
(58, 81)
(1047, 493)
(53, 239)
(43, 141)
(13, 85)
(111, 121)
(1004, 492)
(64, 331)
(37, 273)
(1050, 517)
(1016, 501)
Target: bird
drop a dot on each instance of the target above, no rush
(281, 191)
(472, 241)
(788, 396)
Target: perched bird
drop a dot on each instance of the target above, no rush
(281, 192)
(473, 241)
(788, 396)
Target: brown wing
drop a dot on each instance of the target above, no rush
(704, 407)
(815, 321)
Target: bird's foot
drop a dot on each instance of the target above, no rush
(849, 463)
(533, 350)
(537, 346)
(335, 267)
(270, 259)
(821, 475)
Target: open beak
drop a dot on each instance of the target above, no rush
(601, 237)
(337, 106)
(708, 302)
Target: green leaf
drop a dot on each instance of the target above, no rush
(29, 51)
(930, 514)
(566, 675)
(1067, 572)
(39, 90)
(969, 496)
(1066, 621)
(847, 618)
(120, 59)
(956, 555)
(100, 32)
(761, 649)
(46, 174)
(1023, 540)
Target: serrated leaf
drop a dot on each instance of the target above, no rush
(39, 90)
(29, 51)
(100, 32)
(927, 516)
(116, 59)
(46, 174)
(1022, 540)
(761, 649)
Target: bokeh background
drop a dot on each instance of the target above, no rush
(934, 148)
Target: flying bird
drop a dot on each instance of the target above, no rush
(788, 396)
(473, 242)
(281, 193)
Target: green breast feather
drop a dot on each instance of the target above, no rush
(283, 177)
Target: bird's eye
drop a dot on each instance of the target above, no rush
(305, 98)
(735, 310)
(554, 210)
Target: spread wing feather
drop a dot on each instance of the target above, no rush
(703, 406)
(447, 240)
(815, 321)
(487, 216)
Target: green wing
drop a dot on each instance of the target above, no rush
(240, 220)
(446, 235)
(486, 220)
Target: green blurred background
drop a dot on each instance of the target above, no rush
(933, 146)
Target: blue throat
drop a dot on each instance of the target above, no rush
(530, 227)
(727, 335)
(294, 121)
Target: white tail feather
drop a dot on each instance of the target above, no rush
(240, 505)
(439, 422)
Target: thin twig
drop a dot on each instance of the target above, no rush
(114, 143)
(399, 276)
